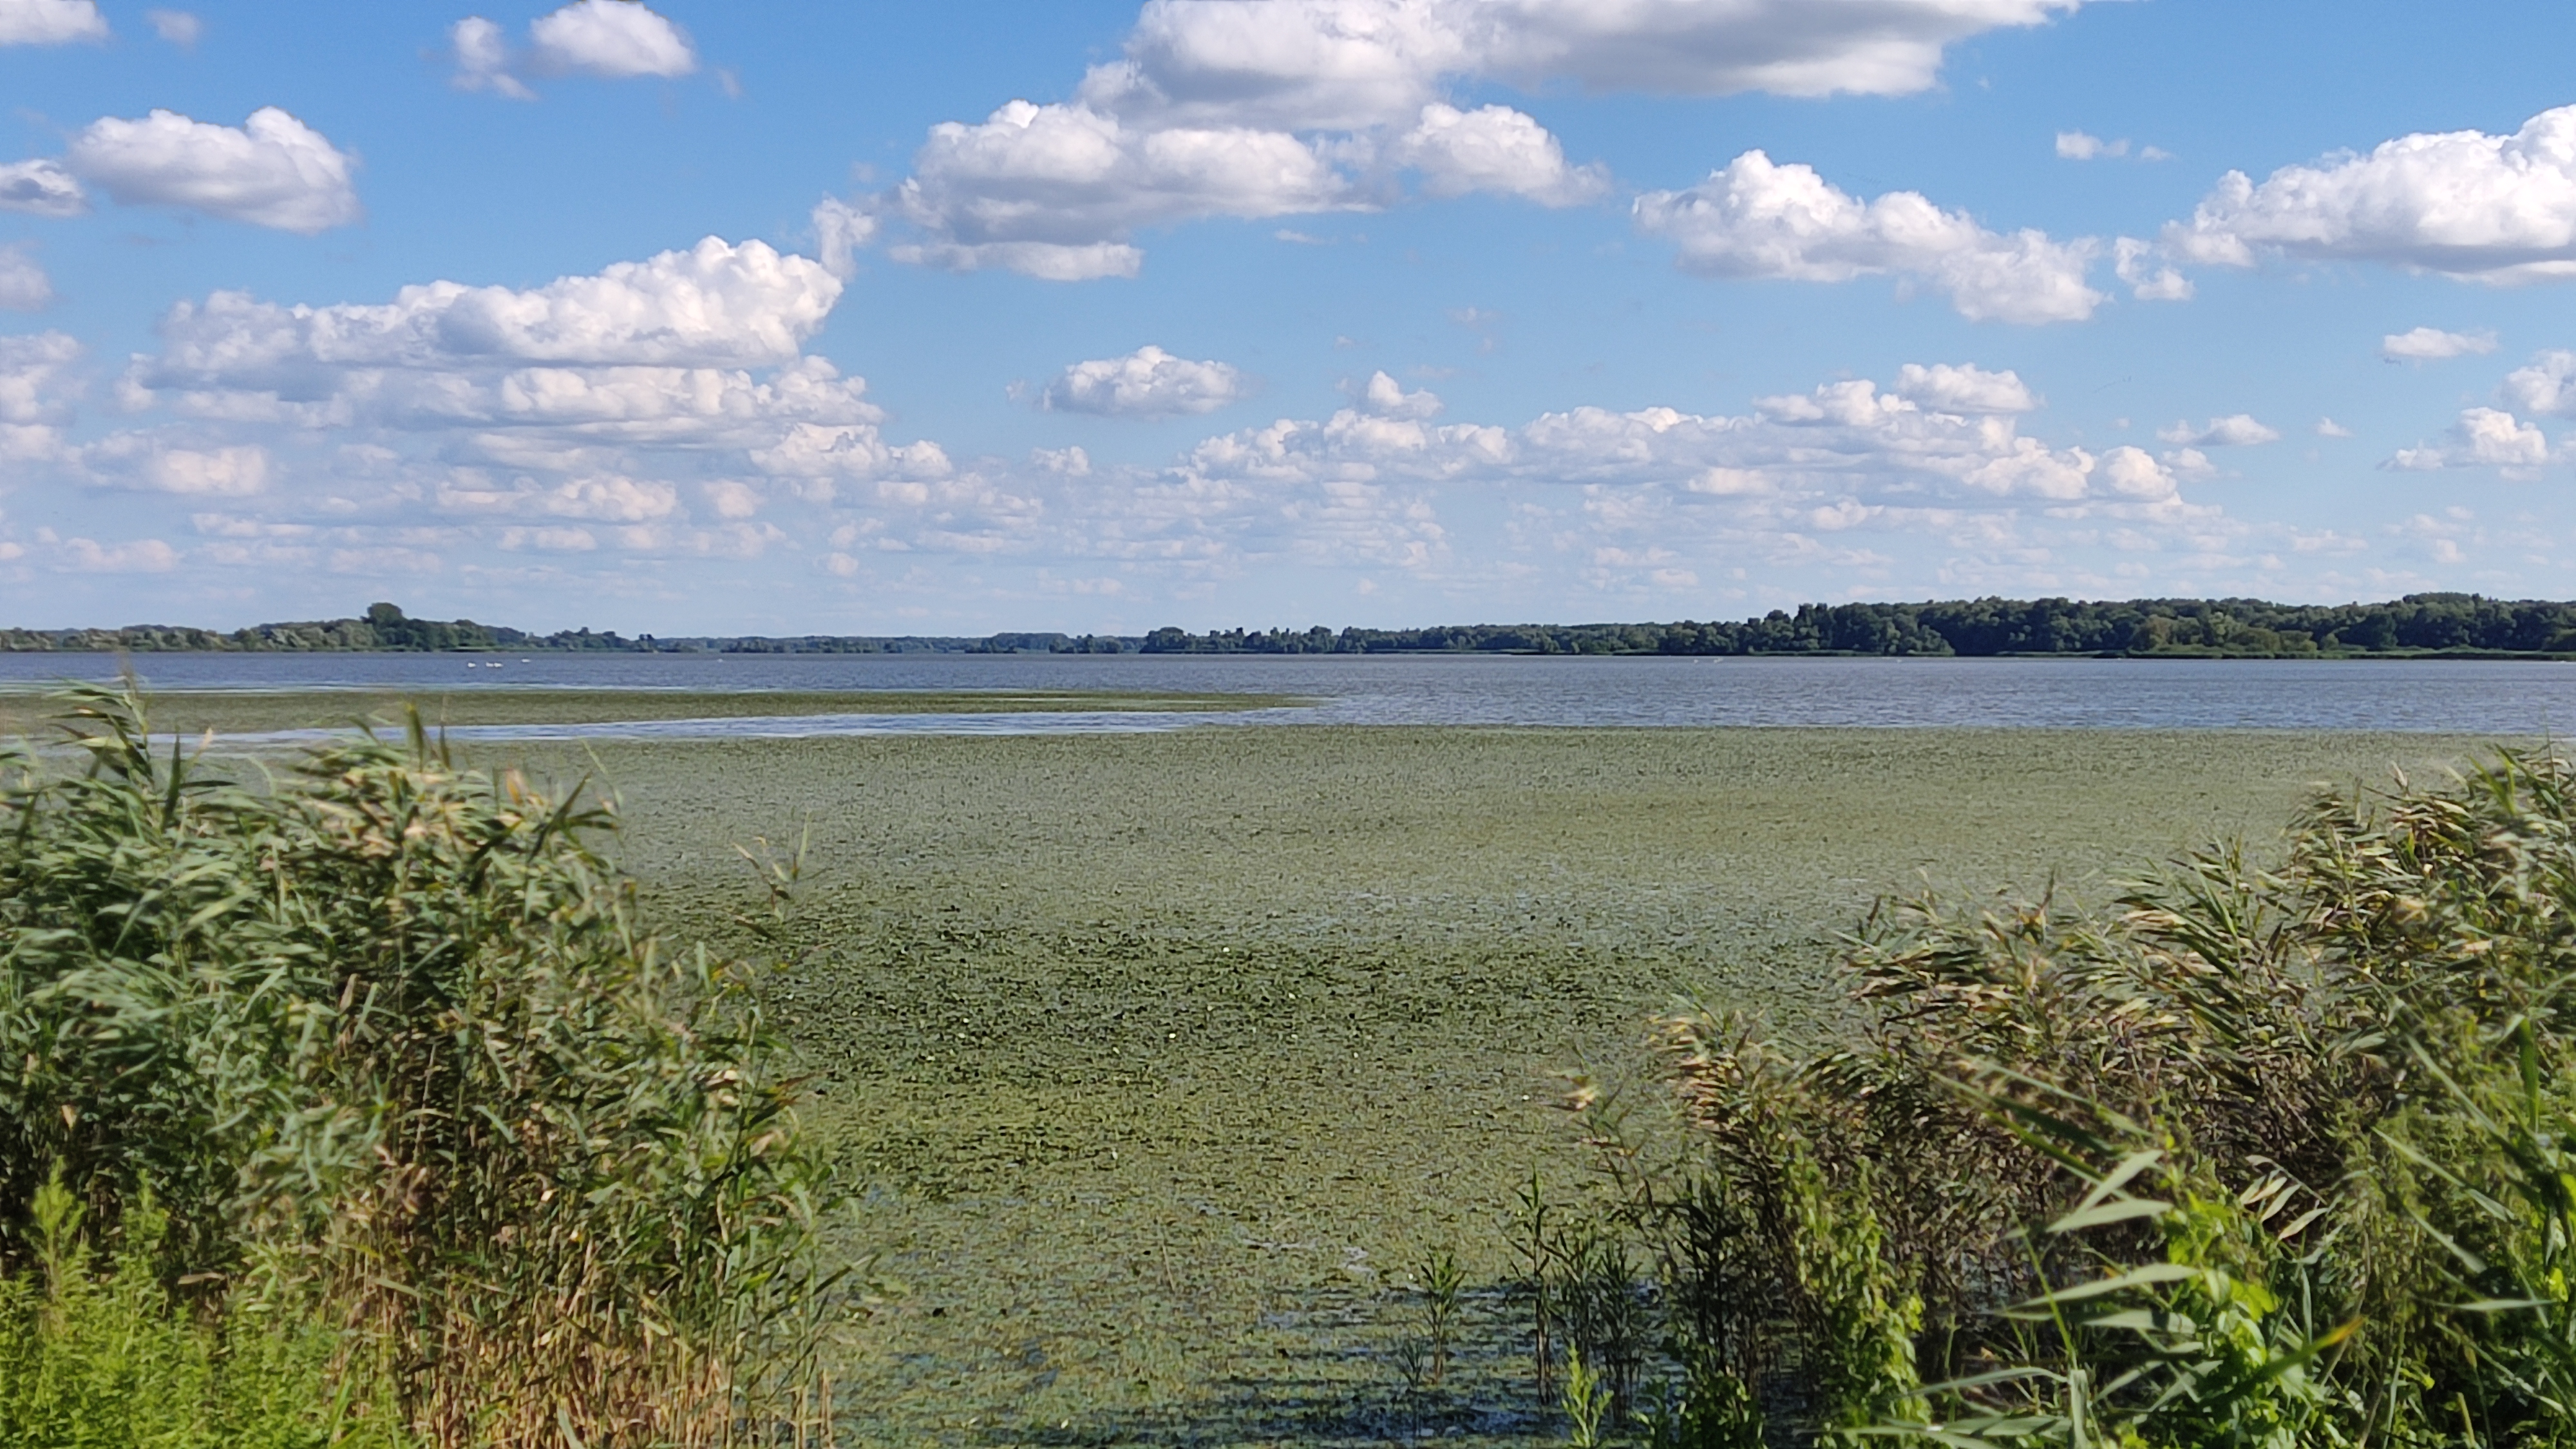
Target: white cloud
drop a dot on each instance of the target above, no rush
(1841, 441)
(483, 59)
(654, 398)
(40, 188)
(50, 22)
(733, 498)
(1494, 149)
(34, 381)
(2329, 428)
(2496, 209)
(2149, 279)
(24, 287)
(1054, 190)
(36, 393)
(2077, 146)
(616, 38)
(714, 305)
(1945, 388)
(1262, 108)
(1146, 383)
(2547, 384)
(1383, 397)
(840, 231)
(549, 540)
(2237, 430)
(176, 27)
(148, 463)
(272, 171)
(141, 556)
(2482, 438)
(1760, 219)
(2431, 344)
(610, 499)
(1343, 64)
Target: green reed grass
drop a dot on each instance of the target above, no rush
(385, 1040)
(2272, 1158)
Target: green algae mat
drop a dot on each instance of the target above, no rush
(1169, 1058)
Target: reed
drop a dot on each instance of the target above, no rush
(387, 1039)
(2262, 1157)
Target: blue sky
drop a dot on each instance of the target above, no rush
(864, 318)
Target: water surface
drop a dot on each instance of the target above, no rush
(2436, 696)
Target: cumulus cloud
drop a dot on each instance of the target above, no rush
(2431, 344)
(24, 287)
(1494, 149)
(2329, 428)
(50, 22)
(1348, 63)
(1146, 383)
(840, 232)
(137, 556)
(1841, 441)
(176, 27)
(40, 188)
(615, 38)
(151, 463)
(1945, 388)
(715, 305)
(2139, 266)
(1261, 108)
(271, 171)
(34, 377)
(1631, 498)
(1757, 218)
(2547, 385)
(1054, 190)
(2497, 209)
(2237, 430)
(2482, 438)
(36, 393)
(1383, 397)
(651, 400)
(482, 55)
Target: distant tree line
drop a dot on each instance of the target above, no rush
(2418, 623)
(383, 628)
(2208, 628)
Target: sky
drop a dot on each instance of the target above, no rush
(769, 317)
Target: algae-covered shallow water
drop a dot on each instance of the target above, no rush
(306, 715)
(1169, 1055)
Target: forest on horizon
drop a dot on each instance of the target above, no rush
(2418, 624)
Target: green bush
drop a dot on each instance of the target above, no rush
(389, 1037)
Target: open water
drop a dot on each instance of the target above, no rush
(2445, 696)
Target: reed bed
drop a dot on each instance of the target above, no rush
(2279, 1157)
(380, 1055)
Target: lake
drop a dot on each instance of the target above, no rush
(2438, 696)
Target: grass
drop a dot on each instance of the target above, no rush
(1172, 1057)
(26, 713)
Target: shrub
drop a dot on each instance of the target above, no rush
(390, 1034)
